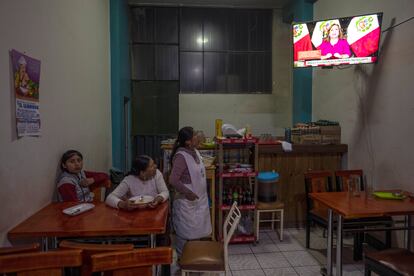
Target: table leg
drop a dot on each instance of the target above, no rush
(408, 231)
(152, 241)
(330, 242)
(328, 270)
(45, 244)
(54, 243)
(339, 247)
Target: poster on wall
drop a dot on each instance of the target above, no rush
(26, 76)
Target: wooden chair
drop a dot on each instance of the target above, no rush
(391, 262)
(132, 262)
(208, 256)
(316, 182)
(342, 177)
(97, 190)
(88, 249)
(49, 263)
(34, 247)
(321, 182)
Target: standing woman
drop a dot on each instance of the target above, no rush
(191, 213)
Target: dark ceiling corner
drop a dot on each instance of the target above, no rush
(287, 13)
(287, 17)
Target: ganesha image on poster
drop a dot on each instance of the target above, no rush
(26, 76)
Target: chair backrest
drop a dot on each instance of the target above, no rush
(316, 182)
(132, 262)
(20, 249)
(88, 249)
(48, 263)
(342, 177)
(230, 224)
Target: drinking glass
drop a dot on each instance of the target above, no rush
(354, 186)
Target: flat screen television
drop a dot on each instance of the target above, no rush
(338, 41)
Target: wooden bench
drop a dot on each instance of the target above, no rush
(391, 262)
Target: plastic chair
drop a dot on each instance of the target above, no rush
(273, 208)
(208, 256)
(132, 262)
(49, 263)
(88, 249)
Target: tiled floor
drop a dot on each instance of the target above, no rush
(290, 257)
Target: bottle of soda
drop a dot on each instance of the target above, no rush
(241, 197)
(235, 195)
(229, 197)
(248, 197)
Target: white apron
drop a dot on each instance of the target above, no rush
(191, 219)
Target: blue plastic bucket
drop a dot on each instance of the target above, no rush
(267, 186)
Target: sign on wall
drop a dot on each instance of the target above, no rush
(26, 76)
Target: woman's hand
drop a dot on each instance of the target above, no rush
(191, 196)
(328, 55)
(157, 200)
(86, 182)
(129, 205)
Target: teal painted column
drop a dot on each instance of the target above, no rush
(120, 78)
(302, 77)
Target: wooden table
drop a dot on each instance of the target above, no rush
(348, 207)
(102, 221)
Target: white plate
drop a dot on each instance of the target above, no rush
(78, 209)
(142, 199)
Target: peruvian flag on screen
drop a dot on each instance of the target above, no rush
(363, 35)
(321, 31)
(301, 39)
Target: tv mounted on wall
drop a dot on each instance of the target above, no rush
(346, 40)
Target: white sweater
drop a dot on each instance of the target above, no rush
(131, 186)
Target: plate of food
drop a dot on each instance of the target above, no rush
(143, 199)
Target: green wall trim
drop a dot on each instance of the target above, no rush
(120, 78)
(302, 77)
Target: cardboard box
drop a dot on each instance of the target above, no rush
(330, 130)
(306, 139)
(331, 139)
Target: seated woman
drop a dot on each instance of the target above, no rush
(73, 183)
(144, 179)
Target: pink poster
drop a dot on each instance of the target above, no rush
(26, 76)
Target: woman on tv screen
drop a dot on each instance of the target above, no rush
(334, 44)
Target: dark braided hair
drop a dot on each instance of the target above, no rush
(184, 134)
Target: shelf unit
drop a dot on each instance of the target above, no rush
(247, 149)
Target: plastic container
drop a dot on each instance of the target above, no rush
(267, 186)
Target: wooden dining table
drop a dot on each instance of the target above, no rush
(347, 206)
(51, 223)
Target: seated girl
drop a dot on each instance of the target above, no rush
(143, 180)
(74, 184)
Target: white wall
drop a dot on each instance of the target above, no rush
(71, 38)
(265, 113)
(374, 104)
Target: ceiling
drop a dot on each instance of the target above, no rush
(275, 4)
